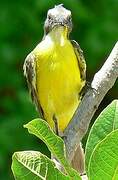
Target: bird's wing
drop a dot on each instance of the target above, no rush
(30, 74)
(80, 58)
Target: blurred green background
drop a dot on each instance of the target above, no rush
(21, 28)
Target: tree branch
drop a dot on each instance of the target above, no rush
(103, 80)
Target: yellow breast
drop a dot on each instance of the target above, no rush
(58, 80)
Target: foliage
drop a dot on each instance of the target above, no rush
(102, 145)
(21, 28)
(33, 164)
(101, 151)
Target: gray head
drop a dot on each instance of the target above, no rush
(58, 16)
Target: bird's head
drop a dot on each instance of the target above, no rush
(58, 16)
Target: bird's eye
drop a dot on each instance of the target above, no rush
(49, 17)
(69, 18)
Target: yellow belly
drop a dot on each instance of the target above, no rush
(58, 82)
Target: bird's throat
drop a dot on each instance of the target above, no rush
(59, 34)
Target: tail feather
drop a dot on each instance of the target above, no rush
(78, 161)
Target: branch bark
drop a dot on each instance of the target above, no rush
(103, 80)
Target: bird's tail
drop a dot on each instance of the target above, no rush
(78, 161)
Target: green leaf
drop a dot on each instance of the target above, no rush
(104, 124)
(41, 129)
(104, 159)
(29, 165)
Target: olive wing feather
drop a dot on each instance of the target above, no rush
(80, 58)
(29, 68)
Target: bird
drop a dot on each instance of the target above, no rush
(56, 71)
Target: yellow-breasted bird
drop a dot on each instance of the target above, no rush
(56, 70)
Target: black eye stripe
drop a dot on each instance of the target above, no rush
(69, 18)
(49, 17)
